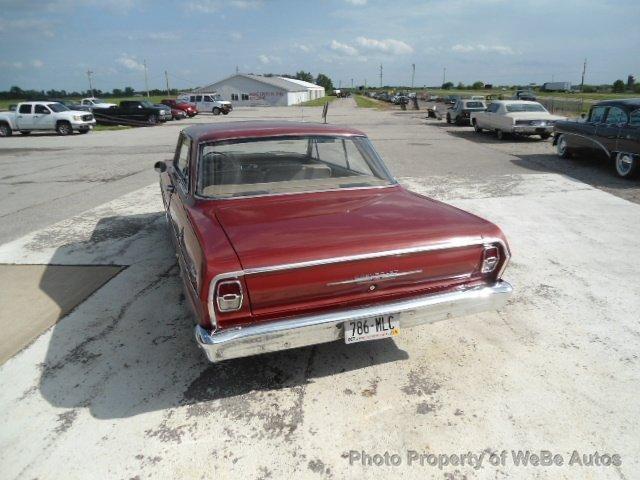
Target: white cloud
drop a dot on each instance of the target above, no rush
(267, 59)
(247, 4)
(163, 36)
(501, 49)
(204, 6)
(343, 48)
(44, 27)
(130, 62)
(357, 2)
(12, 65)
(302, 47)
(37, 63)
(388, 45)
(236, 36)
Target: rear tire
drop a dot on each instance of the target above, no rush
(215, 111)
(5, 130)
(545, 136)
(562, 149)
(64, 128)
(84, 130)
(626, 165)
(225, 112)
(501, 135)
(25, 132)
(448, 118)
(152, 119)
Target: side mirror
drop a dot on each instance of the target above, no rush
(160, 167)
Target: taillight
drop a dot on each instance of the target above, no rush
(229, 295)
(490, 258)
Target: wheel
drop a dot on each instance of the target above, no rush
(626, 165)
(64, 128)
(5, 130)
(215, 111)
(448, 118)
(562, 149)
(545, 136)
(84, 130)
(500, 134)
(476, 127)
(25, 132)
(152, 119)
(225, 112)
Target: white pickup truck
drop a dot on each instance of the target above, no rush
(518, 117)
(32, 116)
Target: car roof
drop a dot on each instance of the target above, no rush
(511, 102)
(260, 129)
(627, 102)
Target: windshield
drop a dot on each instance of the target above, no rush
(57, 107)
(289, 165)
(146, 103)
(97, 100)
(525, 107)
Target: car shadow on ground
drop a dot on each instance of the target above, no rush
(129, 348)
(468, 133)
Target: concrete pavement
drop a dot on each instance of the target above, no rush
(118, 388)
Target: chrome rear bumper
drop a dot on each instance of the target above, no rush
(310, 330)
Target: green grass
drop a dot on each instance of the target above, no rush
(366, 102)
(102, 128)
(318, 102)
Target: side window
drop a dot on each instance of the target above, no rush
(234, 96)
(25, 108)
(198, 98)
(597, 114)
(616, 116)
(634, 118)
(331, 150)
(206, 98)
(41, 109)
(356, 160)
(181, 162)
(192, 98)
(245, 96)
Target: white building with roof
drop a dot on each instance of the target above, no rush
(252, 90)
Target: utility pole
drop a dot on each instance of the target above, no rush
(444, 75)
(380, 75)
(89, 73)
(584, 70)
(146, 79)
(352, 84)
(166, 77)
(413, 73)
(365, 83)
(237, 69)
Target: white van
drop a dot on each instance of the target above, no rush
(207, 102)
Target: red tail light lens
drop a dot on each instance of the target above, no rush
(490, 259)
(229, 296)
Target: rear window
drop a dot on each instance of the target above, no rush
(288, 165)
(525, 107)
(475, 105)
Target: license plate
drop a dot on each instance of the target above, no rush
(371, 328)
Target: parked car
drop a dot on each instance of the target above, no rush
(515, 117)
(189, 108)
(131, 112)
(207, 102)
(478, 97)
(71, 104)
(178, 114)
(525, 95)
(165, 113)
(610, 131)
(42, 116)
(93, 102)
(294, 234)
(461, 112)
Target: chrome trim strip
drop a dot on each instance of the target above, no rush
(326, 327)
(375, 278)
(456, 243)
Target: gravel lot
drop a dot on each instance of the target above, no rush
(118, 388)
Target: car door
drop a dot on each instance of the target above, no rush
(24, 117)
(629, 134)
(43, 118)
(608, 131)
(488, 116)
(180, 196)
(586, 141)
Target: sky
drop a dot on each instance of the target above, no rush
(48, 44)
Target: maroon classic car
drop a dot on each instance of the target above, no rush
(293, 234)
(188, 108)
